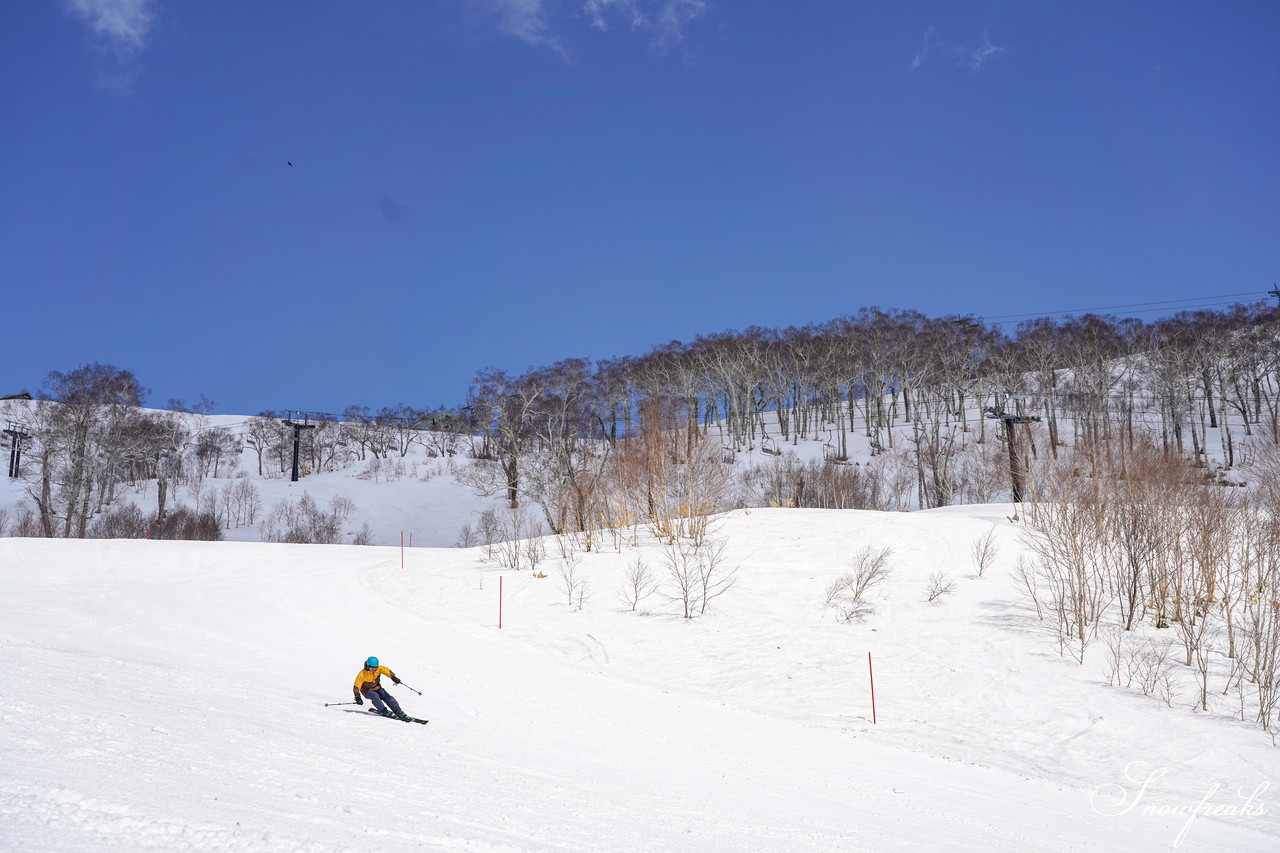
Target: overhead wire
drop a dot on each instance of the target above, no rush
(1144, 305)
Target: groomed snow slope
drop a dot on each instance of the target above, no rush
(169, 696)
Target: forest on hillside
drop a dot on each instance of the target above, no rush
(908, 412)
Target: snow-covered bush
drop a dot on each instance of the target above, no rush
(126, 521)
(188, 525)
(304, 522)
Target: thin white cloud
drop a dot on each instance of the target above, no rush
(675, 16)
(978, 57)
(600, 11)
(667, 20)
(525, 20)
(972, 58)
(930, 37)
(546, 22)
(122, 24)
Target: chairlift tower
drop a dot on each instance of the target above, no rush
(16, 436)
(1000, 411)
(299, 421)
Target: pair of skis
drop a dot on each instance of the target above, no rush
(405, 719)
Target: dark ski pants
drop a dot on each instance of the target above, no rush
(377, 697)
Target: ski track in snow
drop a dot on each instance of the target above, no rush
(169, 696)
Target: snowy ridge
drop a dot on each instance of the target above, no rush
(169, 695)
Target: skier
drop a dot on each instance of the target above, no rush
(368, 683)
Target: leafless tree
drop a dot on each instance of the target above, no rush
(325, 446)
(238, 503)
(404, 424)
(1260, 624)
(248, 502)
(157, 443)
(535, 547)
(715, 578)
(488, 526)
(505, 409)
(77, 428)
(938, 586)
(1063, 534)
(572, 579)
(213, 449)
(1146, 661)
(899, 476)
(984, 551)
(1026, 578)
(671, 483)
(697, 572)
(638, 583)
(513, 526)
(680, 558)
(364, 536)
(700, 489)
(466, 537)
(366, 434)
(262, 433)
(936, 446)
(868, 567)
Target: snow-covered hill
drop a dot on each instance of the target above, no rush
(170, 696)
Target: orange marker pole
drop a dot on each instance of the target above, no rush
(871, 675)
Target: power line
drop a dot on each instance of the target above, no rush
(1142, 305)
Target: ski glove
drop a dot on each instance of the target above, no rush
(395, 680)
(359, 699)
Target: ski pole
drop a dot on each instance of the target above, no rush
(419, 692)
(332, 704)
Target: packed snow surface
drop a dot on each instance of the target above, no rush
(171, 696)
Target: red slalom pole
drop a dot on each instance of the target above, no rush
(871, 675)
(499, 602)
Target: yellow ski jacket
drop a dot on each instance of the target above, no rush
(366, 680)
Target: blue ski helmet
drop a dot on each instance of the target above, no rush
(371, 662)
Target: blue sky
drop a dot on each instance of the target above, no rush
(507, 183)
